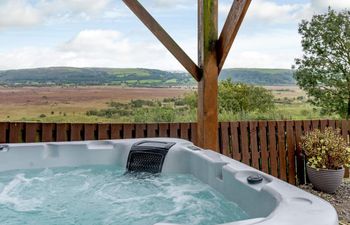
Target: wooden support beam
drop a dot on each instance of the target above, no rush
(208, 85)
(230, 29)
(164, 37)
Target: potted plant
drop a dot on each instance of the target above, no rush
(326, 153)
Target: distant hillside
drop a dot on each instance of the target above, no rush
(260, 76)
(134, 77)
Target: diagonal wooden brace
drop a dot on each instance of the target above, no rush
(230, 29)
(164, 38)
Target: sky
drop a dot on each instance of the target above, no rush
(105, 33)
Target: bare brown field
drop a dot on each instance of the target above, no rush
(70, 104)
(286, 91)
(30, 102)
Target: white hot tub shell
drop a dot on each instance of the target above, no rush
(272, 201)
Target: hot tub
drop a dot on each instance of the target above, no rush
(265, 199)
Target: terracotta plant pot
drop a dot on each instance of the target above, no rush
(325, 180)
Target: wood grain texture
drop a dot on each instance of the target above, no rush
(140, 130)
(16, 132)
(117, 131)
(103, 131)
(3, 132)
(152, 130)
(207, 110)
(291, 152)
(128, 131)
(300, 158)
(253, 133)
(31, 132)
(225, 142)
(90, 132)
(236, 151)
(230, 29)
(47, 132)
(282, 150)
(76, 132)
(273, 148)
(245, 142)
(263, 147)
(62, 132)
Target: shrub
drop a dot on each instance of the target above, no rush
(325, 149)
(244, 98)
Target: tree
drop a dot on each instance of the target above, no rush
(324, 69)
(244, 98)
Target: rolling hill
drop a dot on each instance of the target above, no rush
(134, 77)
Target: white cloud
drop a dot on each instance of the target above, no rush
(93, 48)
(273, 49)
(73, 6)
(108, 48)
(15, 13)
(336, 4)
(172, 3)
(270, 11)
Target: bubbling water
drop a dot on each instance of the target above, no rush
(105, 195)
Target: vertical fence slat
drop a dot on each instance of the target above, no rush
(291, 152)
(331, 123)
(76, 130)
(194, 133)
(273, 148)
(315, 124)
(263, 147)
(163, 130)
(151, 130)
(324, 124)
(184, 131)
(307, 125)
(140, 130)
(3, 132)
(300, 158)
(245, 143)
(236, 153)
(253, 129)
(103, 131)
(89, 132)
(116, 131)
(128, 131)
(62, 132)
(15, 132)
(282, 150)
(47, 132)
(225, 145)
(31, 132)
(338, 124)
(174, 130)
(345, 133)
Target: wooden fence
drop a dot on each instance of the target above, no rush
(270, 146)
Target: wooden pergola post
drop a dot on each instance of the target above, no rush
(212, 53)
(208, 85)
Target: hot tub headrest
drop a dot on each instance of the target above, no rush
(148, 156)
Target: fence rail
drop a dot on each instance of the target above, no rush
(270, 146)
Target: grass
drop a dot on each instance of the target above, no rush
(70, 105)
